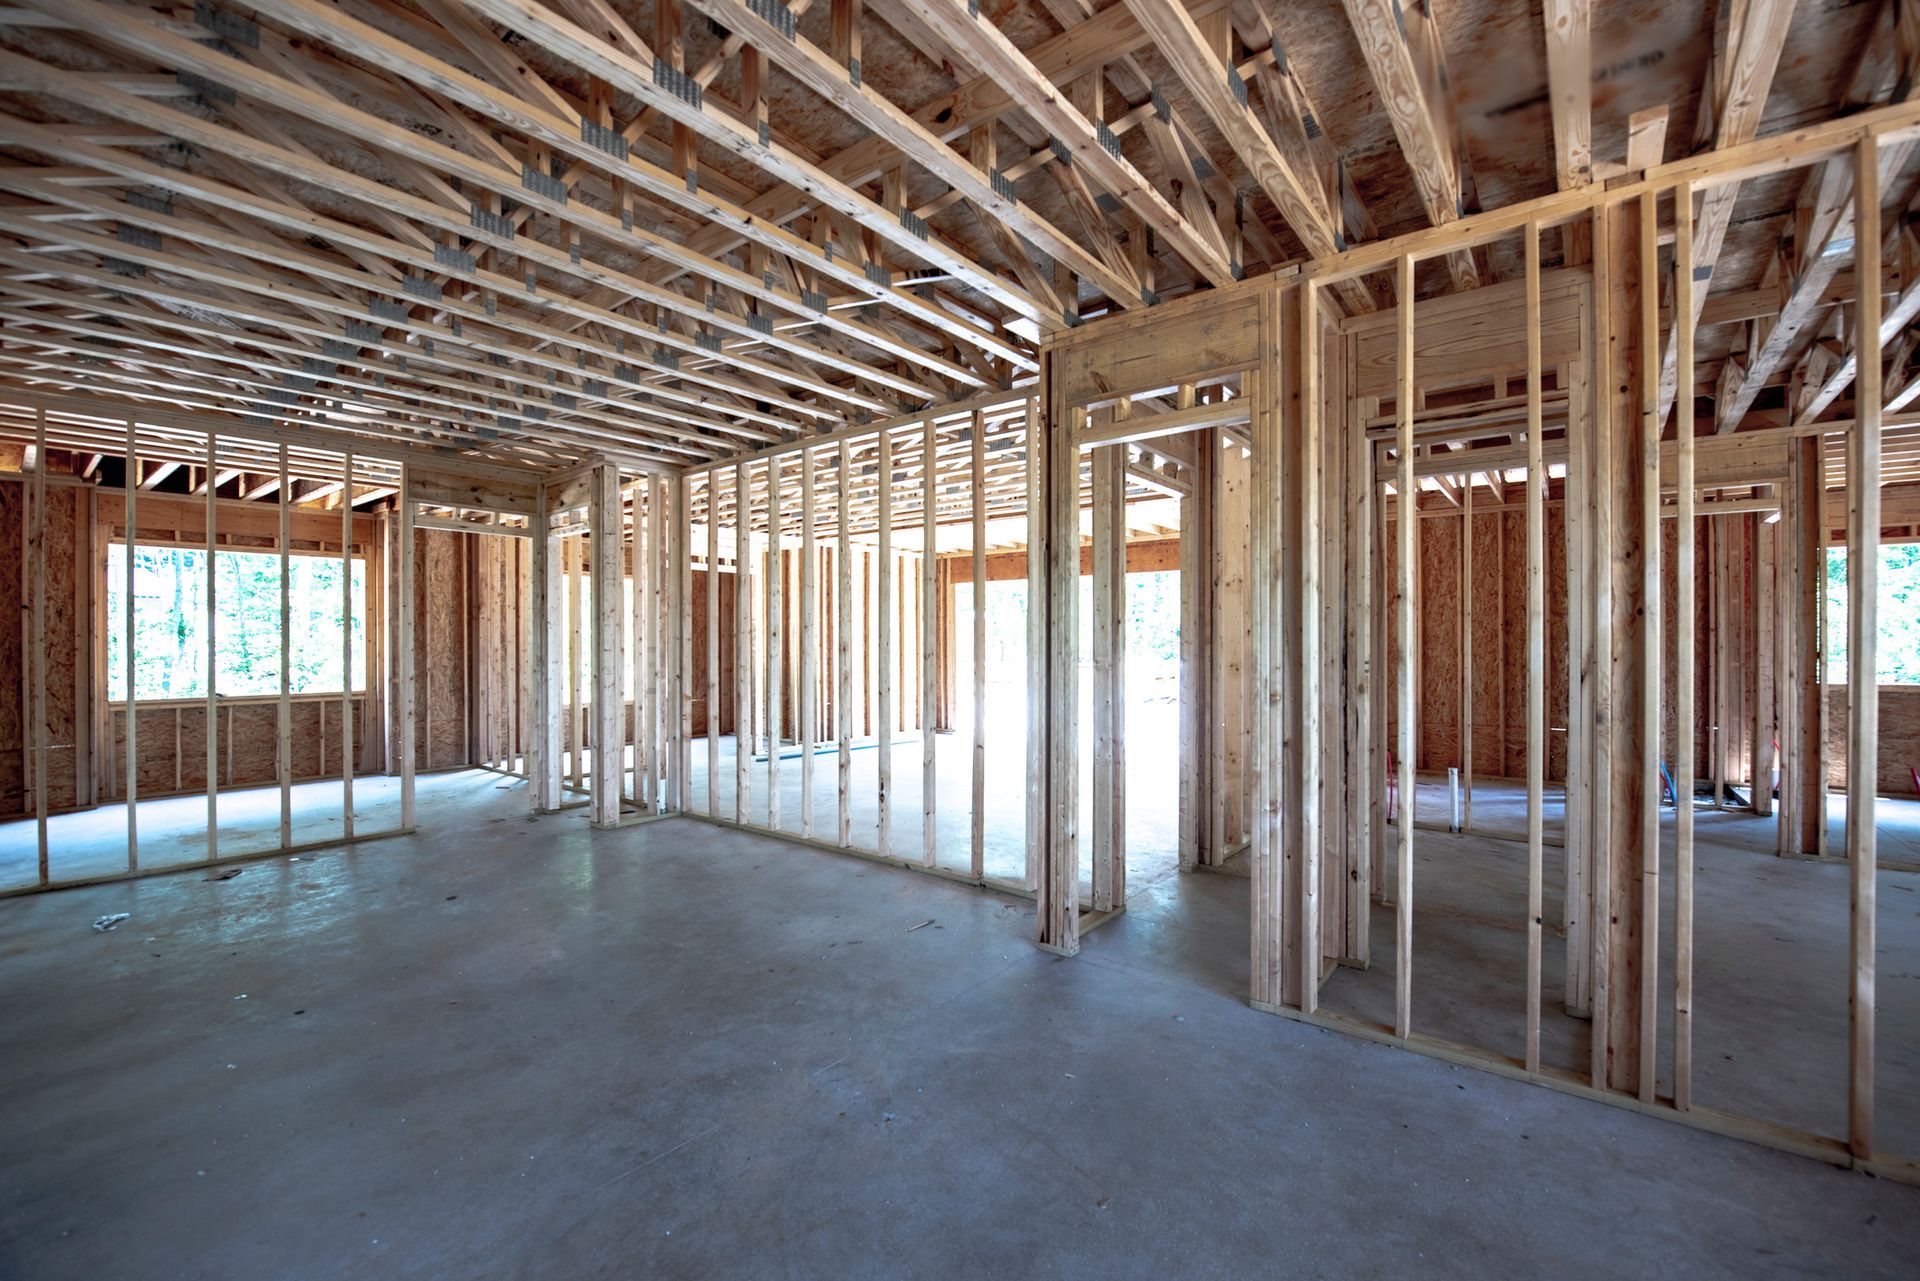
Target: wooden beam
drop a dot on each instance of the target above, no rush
(1570, 89)
(374, 131)
(1895, 320)
(1210, 82)
(1649, 610)
(1830, 226)
(212, 706)
(1863, 688)
(1090, 143)
(1107, 839)
(883, 649)
(1309, 540)
(977, 441)
(1405, 522)
(809, 734)
(1038, 628)
(843, 599)
(1536, 648)
(130, 645)
(347, 755)
(1055, 662)
(1171, 422)
(1684, 678)
(544, 616)
(1748, 43)
(1419, 120)
(742, 645)
(606, 580)
(631, 70)
(929, 687)
(36, 558)
(776, 653)
(680, 607)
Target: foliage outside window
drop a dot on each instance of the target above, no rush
(1897, 656)
(170, 613)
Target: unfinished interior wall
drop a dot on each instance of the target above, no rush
(820, 613)
(1899, 754)
(1680, 620)
(67, 648)
(170, 737)
(498, 568)
(87, 735)
(1489, 613)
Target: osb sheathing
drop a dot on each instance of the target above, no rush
(440, 595)
(1498, 638)
(65, 645)
(1495, 602)
(498, 574)
(245, 746)
(1728, 550)
(1899, 739)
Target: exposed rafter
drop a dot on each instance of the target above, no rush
(1413, 97)
(1749, 40)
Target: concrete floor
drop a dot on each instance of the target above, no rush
(173, 830)
(1770, 970)
(522, 1048)
(1153, 794)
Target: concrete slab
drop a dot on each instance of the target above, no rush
(521, 1048)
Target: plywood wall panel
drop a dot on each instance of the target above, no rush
(1496, 620)
(13, 725)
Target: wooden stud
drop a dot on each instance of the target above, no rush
(1107, 840)
(283, 725)
(1309, 944)
(977, 497)
(1863, 621)
(643, 799)
(346, 646)
(776, 653)
(544, 614)
(37, 641)
(809, 606)
(883, 681)
(1195, 605)
(1037, 516)
(576, 645)
(607, 587)
(680, 784)
(1722, 659)
(1366, 723)
(1599, 590)
(130, 488)
(843, 701)
(1268, 843)
(742, 645)
(1466, 651)
(713, 642)
(213, 695)
(1536, 647)
(1405, 500)
(1058, 895)
(929, 767)
(646, 644)
(1650, 663)
(1763, 729)
(407, 658)
(1683, 638)
(659, 629)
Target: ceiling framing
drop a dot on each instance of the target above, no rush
(521, 234)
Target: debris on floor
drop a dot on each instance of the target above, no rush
(923, 925)
(226, 875)
(105, 923)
